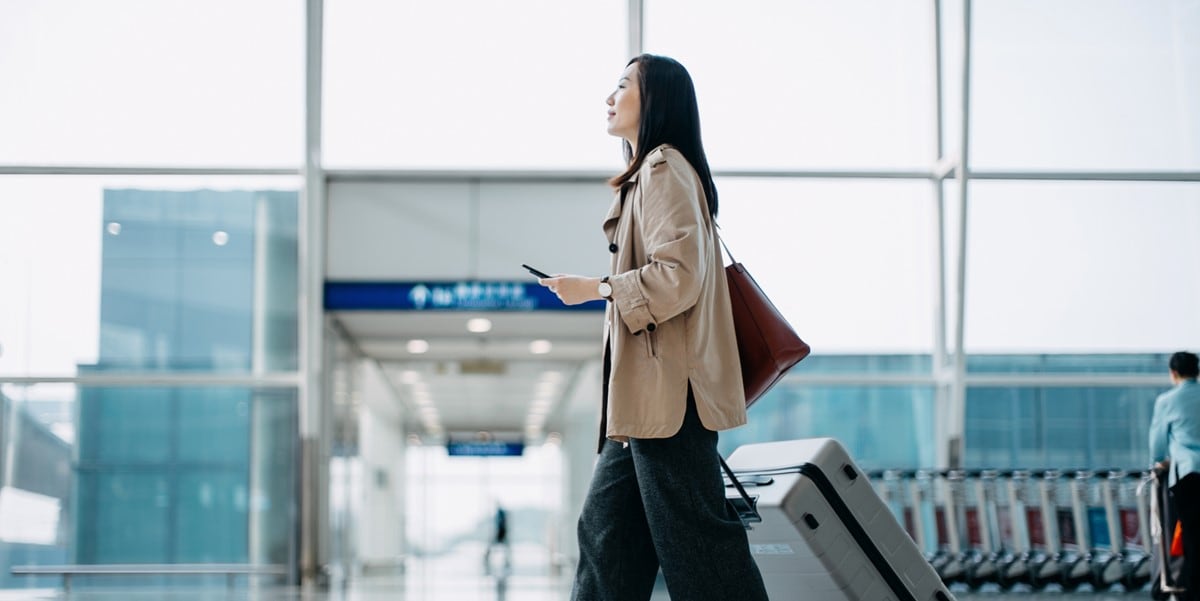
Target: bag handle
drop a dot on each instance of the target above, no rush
(749, 513)
(721, 239)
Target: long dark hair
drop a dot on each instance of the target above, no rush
(669, 115)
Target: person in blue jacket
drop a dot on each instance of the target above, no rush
(1175, 438)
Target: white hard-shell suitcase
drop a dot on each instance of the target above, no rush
(824, 532)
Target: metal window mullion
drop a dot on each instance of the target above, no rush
(144, 170)
(958, 396)
(597, 176)
(939, 326)
(637, 27)
(164, 380)
(313, 462)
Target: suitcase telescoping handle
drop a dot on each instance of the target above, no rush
(747, 508)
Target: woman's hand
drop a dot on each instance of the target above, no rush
(573, 289)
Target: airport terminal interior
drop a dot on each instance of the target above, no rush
(265, 333)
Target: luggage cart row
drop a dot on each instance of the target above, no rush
(1026, 527)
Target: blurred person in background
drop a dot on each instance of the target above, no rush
(1175, 442)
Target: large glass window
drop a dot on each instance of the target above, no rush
(472, 83)
(140, 273)
(855, 415)
(849, 263)
(1059, 427)
(152, 83)
(806, 84)
(1082, 266)
(145, 475)
(1075, 84)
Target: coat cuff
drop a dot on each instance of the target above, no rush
(632, 305)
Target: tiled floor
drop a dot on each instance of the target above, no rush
(458, 577)
(480, 589)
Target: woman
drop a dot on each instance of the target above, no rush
(671, 372)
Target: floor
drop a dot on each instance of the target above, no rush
(458, 577)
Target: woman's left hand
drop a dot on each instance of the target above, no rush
(573, 289)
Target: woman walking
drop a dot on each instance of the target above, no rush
(671, 372)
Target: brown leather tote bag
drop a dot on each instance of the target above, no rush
(767, 345)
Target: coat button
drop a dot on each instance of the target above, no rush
(651, 327)
(612, 248)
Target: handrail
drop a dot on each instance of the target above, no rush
(230, 570)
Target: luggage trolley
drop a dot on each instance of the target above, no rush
(1066, 565)
(1013, 565)
(950, 496)
(1162, 526)
(982, 528)
(1103, 527)
(924, 518)
(1032, 563)
(1132, 514)
(1075, 512)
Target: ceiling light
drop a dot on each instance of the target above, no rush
(540, 347)
(414, 440)
(554, 438)
(114, 228)
(409, 376)
(220, 238)
(552, 377)
(479, 325)
(417, 347)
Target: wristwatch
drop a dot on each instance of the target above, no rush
(605, 289)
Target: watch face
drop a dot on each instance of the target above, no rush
(605, 289)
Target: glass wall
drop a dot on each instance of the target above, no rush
(114, 283)
(149, 281)
(172, 83)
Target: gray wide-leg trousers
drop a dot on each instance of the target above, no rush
(662, 502)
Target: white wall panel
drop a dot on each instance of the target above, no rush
(554, 227)
(391, 231)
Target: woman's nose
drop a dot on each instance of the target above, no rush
(611, 100)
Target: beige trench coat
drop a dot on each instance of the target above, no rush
(670, 321)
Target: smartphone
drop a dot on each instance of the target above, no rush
(540, 274)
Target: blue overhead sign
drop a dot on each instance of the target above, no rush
(446, 296)
(485, 449)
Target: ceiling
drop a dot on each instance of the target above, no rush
(508, 380)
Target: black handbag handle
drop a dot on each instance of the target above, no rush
(746, 507)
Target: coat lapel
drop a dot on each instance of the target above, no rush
(614, 212)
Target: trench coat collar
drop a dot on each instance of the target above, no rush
(614, 212)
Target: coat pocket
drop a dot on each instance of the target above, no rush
(651, 343)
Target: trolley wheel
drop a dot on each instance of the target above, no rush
(1138, 575)
(1038, 583)
(1099, 583)
(1135, 582)
(1157, 593)
(1005, 583)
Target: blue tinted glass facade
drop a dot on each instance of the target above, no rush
(1005, 427)
(881, 426)
(1059, 427)
(191, 281)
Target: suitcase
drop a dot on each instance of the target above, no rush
(818, 530)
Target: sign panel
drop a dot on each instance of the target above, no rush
(485, 449)
(446, 296)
